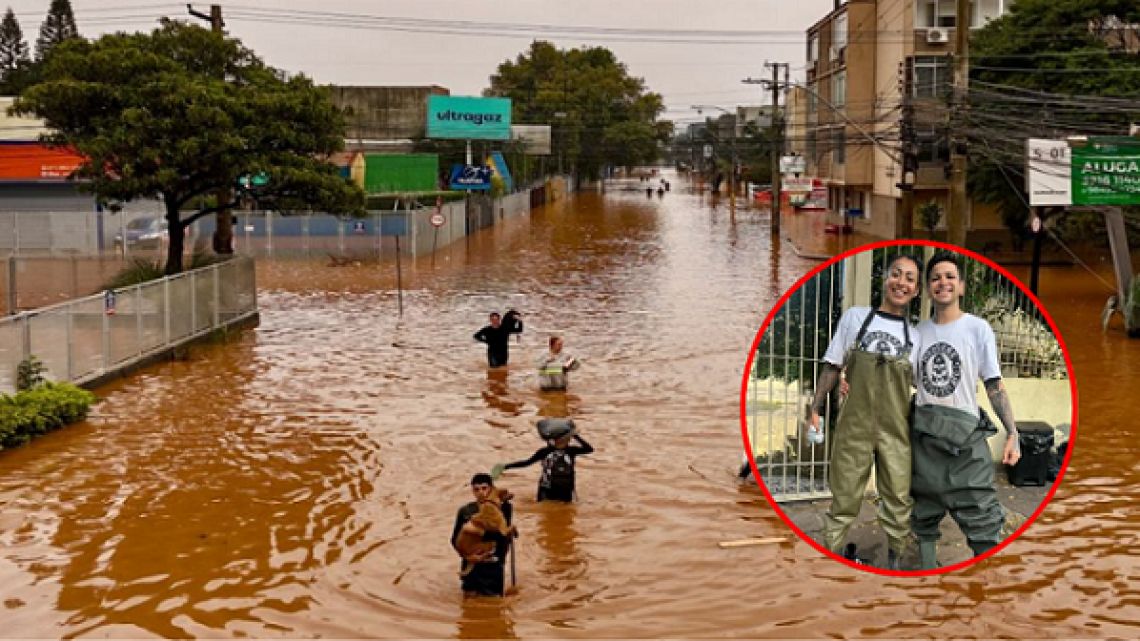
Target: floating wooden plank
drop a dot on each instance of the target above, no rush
(740, 543)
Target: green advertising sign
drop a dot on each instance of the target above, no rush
(1106, 171)
(466, 118)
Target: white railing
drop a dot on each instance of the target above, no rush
(90, 337)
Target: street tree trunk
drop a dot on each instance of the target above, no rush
(176, 235)
(223, 239)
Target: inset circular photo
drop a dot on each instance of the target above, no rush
(908, 408)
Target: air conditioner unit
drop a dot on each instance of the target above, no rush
(937, 36)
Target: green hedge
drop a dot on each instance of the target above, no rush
(40, 410)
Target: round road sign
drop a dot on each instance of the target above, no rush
(437, 219)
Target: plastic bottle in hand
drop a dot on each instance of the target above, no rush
(815, 434)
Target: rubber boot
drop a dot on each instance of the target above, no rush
(981, 548)
(928, 555)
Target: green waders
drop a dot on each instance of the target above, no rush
(872, 428)
(953, 471)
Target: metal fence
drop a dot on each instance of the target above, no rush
(83, 232)
(83, 339)
(265, 233)
(789, 356)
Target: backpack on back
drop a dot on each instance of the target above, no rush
(558, 471)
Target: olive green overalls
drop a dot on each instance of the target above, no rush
(954, 471)
(872, 428)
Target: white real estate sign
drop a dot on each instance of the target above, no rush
(1048, 178)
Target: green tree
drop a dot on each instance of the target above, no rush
(600, 114)
(58, 26)
(1049, 68)
(13, 49)
(155, 119)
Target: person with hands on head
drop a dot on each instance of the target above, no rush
(953, 467)
(873, 348)
(556, 482)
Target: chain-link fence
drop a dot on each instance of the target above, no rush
(788, 359)
(89, 337)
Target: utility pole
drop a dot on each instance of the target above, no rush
(956, 216)
(223, 219)
(904, 218)
(777, 133)
(778, 144)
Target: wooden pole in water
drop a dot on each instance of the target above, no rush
(399, 276)
(750, 542)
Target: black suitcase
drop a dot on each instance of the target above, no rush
(1036, 452)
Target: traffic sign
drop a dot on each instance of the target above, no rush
(708, 151)
(437, 219)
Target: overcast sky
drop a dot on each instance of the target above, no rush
(348, 41)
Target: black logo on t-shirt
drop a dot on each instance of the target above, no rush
(882, 343)
(941, 370)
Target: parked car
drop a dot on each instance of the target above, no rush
(148, 232)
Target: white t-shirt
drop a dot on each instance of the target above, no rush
(952, 358)
(884, 335)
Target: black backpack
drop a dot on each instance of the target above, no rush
(558, 471)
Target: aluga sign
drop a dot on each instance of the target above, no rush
(1106, 171)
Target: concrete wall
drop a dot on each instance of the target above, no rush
(385, 113)
(18, 127)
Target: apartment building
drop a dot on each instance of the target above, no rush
(861, 57)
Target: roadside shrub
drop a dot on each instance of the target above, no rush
(40, 410)
(143, 270)
(30, 373)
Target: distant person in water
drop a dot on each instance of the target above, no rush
(554, 367)
(497, 336)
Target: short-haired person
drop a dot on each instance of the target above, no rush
(953, 467)
(483, 576)
(497, 336)
(873, 348)
(555, 366)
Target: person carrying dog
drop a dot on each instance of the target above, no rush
(481, 573)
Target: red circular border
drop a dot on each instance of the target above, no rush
(748, 370)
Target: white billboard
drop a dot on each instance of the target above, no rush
(535, 138)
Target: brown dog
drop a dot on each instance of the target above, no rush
(489, 518)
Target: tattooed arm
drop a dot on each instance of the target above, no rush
(999, 399)
(828, 379)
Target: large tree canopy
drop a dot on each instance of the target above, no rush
(600, 114)
(1048, 69)
(183, 112)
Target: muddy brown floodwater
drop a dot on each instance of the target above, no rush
(303, 479)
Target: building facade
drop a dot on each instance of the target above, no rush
(867, 61)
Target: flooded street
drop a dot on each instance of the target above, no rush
(303, 479)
